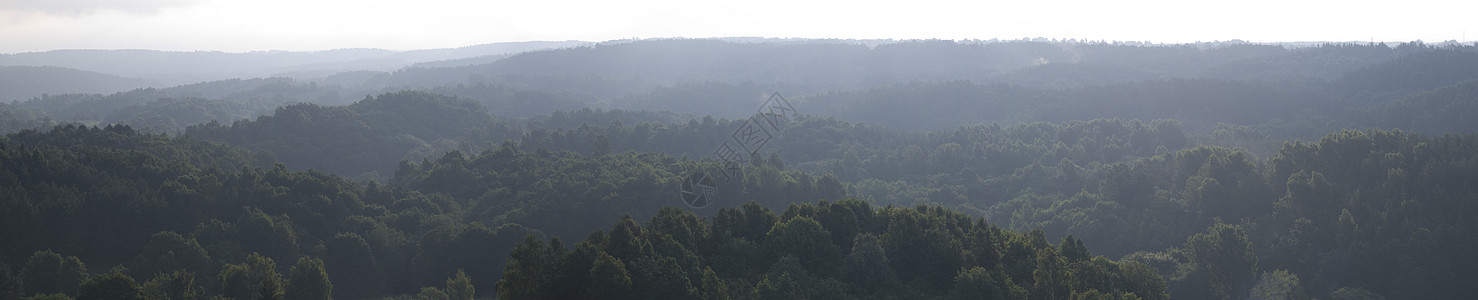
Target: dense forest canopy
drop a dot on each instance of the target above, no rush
(1029, 169)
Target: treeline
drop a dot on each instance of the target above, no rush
(364, 139)
(149, 205)
(158, 208)
(846, 249)
(1294, 223)
(1128, 186)
(172, 109)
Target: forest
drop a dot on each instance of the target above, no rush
(1026, 169)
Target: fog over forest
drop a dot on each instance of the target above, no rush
(744, 168)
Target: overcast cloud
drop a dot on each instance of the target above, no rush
(78, 8)
(250, 25)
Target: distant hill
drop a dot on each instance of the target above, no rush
(803, 67)
(175, 68)
(24, 82)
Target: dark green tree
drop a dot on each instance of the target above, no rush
(432, 293)
(459, 287)
(1277, 285)
(270, 290)
(1142, 280)
(713, 287)
(1223, 261)
(254, 279)
(177, 285)
(867, 264)
(111, 286)
(1051, 279)
(309, 281)
(168, 252)
(609, 279)
(353, 267)
(57, 296)
(1349, 293)
(979, 283)
(10, 286)
(49, 273)
(530, 268)
(808, 241)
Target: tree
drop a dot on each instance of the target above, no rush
(1073, 249)
(309, 281)
(608, 278)
(432, 293)
(459, 287)
(867, 265)
(48, 273)
(167, 252)
(626, 240)
(254, 279)
(1051, 279)
(270, 290)
(1142, 280)
(978, 283)
(713, 287)
(602, 146)
(10, 286)
(922, 246)
(111, 286)
(177, 285)
(983, 250)
(1223, 261)
(1354, 293)
(786, 279)
(352, 267)
(57, 296)
(662, 277)
(530, 267)
(806, 239)
(1276, 285)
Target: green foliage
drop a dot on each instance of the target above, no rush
(1050, 278)
(978, 283)
(177, 285)
(713, 287)
(111, 286)
(1142, 280)
(254, 279)
(1349, 293)
(49, 273)
(170, 252)
(308, 281)
(806, 264)
(608, 278)
(1223, 265)
(867, 263)
(339, 139)
(460, 287)
(355, 270)
(10, 285)
(807, 241)
(1278, 284)
(432, 293)
(57, 296)
(530, 267)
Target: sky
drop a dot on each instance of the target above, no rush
(305, 25)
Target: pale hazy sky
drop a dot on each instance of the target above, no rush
(248, 25)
